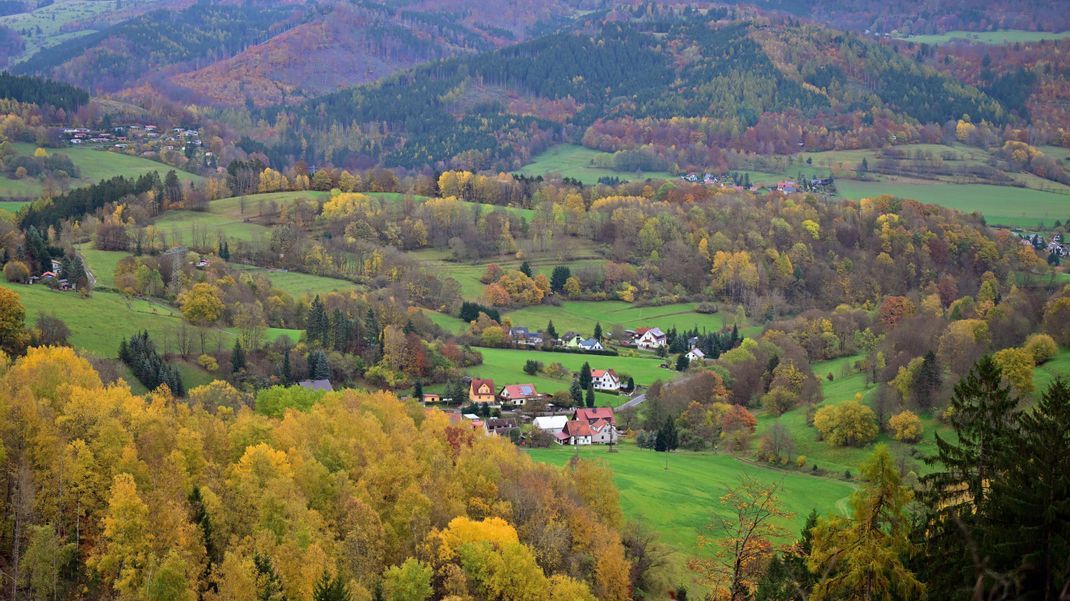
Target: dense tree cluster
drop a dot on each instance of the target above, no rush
(148, 366)
(351, 496)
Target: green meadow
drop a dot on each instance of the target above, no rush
(296, 283)
(581, 316)
(569, 160)
(47, 23)
(1000, 205)
(94, 165)
(678, 494)
(99, 322)
(1006, 36)
(506, 366)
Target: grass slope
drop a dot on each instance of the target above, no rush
(569, 160)
(1007, 36)
(94, 165)
(1001, 205)
(297, 284)
(506, 366)
(679, 502)
(98, 323)
(581, 316)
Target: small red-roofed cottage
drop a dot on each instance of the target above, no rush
(481, 391)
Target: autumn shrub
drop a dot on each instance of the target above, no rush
(848, 424)
(906, 426)
(208, 363)
(1016, 364)
(16, 272)
(1042, 347)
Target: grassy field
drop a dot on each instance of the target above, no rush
(102, 263)
(573, 161)
(44, 26)
(1008, 36)
(679, 502)
(1001, 205)
(581, 316)
(12, 206)
(122, 316)
(295, 283)
(506, 366)
(94, 165)
(1044, 374)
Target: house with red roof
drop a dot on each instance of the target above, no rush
(575, 433)
(601, 422)
(481, 391)
(517, 394)
(605, 380)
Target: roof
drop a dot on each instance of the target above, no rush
(477, 382)
(519, 391)
(598, 373)
(552, 422)
(594, 414)
(697, 352)
(577, 428)
(590, 342)
(324, 385)
(655, 332)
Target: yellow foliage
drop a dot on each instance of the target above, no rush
(906, 426)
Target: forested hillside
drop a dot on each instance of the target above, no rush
(758, 86)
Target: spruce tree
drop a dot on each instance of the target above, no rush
(598, 331)
(682, 362)
(576, 392)
(525, 269)
(1028, 538)
(418, 391)
(585, 375)
(982, 412)
(590, 396)
(330, 589)
(558, 278)
(287, 370)
(237, 358)
(551, 331)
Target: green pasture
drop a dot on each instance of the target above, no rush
(506, 366)
(1007, 36)
(569, 160)
(581, 316)
(44, 26)
(94, 165)
(296, 283)
(680, 501)
(1000, 205)
(99, 322)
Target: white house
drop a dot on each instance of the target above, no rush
(695, 354)
(553, 424)
(605, 380)
(591, 345)
(650, 338)
(575, 433)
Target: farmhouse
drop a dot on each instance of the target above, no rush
(601, 422)
(650, 338)
(525, 337)
(551, 423)
(605, 380)
(571, 340)
(518, 394)
(695, 354)
(575, 433)
(481, 391)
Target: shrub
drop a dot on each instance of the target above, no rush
(532, 367)
(848, 424)
(800, 461)
(1042, 347)
(16, 272)
(906, 426)
(208, 363)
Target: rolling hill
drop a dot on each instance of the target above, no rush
(754, 85)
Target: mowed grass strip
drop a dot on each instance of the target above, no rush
(569, 160)
(1006, 36)
(506, 366)
(679, 502)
